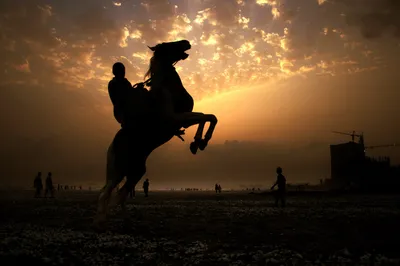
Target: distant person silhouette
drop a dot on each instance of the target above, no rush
(280, 194)
(118, 89)
(132, 192)
(49, 186)
(216, 188)
(146, 185)
(219, 188)
(38, 185)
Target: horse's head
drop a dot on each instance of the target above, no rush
(164, 56)
(171, 52)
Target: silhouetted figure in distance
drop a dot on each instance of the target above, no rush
(38, 185)
(132, 192)
(216, 188)
(146, 185)
(49, 186)
(219, 188)
(280, 194)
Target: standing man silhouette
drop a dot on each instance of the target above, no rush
(280, 194)
(38, 185)
(49, 186)
(146, 185)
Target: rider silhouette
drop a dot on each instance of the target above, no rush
(118, 89)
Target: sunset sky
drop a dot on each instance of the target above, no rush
(279, 74)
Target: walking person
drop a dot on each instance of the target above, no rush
(146, 185)
(280, 194)
(49, 186)
(38, 185)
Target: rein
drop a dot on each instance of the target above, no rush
(147, 82)
(142, 84)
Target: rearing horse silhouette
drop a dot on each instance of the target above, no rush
(155, 116)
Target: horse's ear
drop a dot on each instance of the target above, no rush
(152, 48)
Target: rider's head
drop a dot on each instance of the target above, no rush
(279, 170)
(118, 70)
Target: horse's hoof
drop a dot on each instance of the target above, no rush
(118, 199)
(126, 218)
(203, 144)
(99, 225)
(193, 147)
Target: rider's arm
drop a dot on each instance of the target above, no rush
(129, 83)
(276, 183)
(112, 92)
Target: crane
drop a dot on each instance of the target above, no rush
(381, 146)
(353, 135)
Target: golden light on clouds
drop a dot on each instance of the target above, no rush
(234, 43)
(23, 67)
(274, 7)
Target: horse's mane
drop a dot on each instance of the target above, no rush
(156, 66)
(150, 71)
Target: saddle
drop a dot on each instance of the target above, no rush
(140, 92)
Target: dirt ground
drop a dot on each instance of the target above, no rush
(201, 228)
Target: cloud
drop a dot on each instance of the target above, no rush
(79, 46)
(375, 18)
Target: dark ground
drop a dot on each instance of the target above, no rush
(201, 228)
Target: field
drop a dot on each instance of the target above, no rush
(201, 228)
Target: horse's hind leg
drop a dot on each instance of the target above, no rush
(113, 178)
(102, 206)
(132, 178)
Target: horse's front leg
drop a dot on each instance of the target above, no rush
(192, 118)
(197, 143)
(213, 122)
